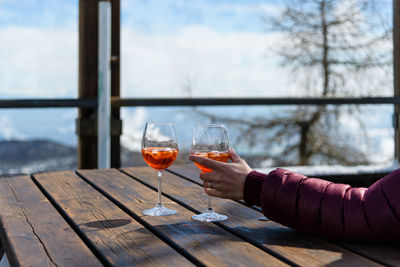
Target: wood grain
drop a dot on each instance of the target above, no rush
(387, 254)
(210, 244)
(117, 238)
(33, 232)
(243, 221)
(188, 171)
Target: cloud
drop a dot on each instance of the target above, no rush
(38, 62)
(41, 59)
(170, 15)
(67, 129)
(199, 48)
(382, 149)
(210, 62)
(56, 14)
(8, 130)
(387, 149)
(133, 126)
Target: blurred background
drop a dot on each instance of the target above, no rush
(208, 48)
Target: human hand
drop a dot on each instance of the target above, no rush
(226, 180)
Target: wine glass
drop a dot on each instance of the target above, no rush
(159, 150)
(210, 141)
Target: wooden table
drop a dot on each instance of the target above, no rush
(93, 218)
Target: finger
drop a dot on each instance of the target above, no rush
(206, 176)
(214, 185)
(207, 184)
(211, 184)
(213, 164)
(213, 192)
(234, 157)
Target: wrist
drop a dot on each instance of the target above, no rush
(252, 188)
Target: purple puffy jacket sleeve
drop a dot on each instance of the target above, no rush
(331, 210)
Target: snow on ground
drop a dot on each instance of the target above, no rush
(320, 170)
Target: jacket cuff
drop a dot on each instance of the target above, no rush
(253, 187)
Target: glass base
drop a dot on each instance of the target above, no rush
(209, 216)
(159, 210)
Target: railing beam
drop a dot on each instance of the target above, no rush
(121, 102)
(116, 102)
(88, 103)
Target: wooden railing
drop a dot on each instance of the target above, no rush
(116, 102)
(151, 102)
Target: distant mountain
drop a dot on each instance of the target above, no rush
(35, 156)
(45, 155)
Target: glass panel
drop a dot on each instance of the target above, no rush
(35, 140)
(39, 59)
(196, 49)
(363, 136)
(38, 49)
(207, 48)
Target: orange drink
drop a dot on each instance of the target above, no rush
(159, 158)
(215, 155)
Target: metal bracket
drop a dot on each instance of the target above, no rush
(396, 120)
(88, 127)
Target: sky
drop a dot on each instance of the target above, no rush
(169, 48)
(218, 47)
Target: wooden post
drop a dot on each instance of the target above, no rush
(86, 125)
(396, 73)
(116, 123)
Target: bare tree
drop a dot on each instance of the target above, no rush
(333, 48)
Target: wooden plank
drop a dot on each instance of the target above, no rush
(115, 236)
(302, 249)
(191, 173)
(188, 171)
(210, 244)
(387, 254)
(28, 224)
(384, 253)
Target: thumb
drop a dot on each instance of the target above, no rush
(234, 157)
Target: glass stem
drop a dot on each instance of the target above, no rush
(159, 189)
(209, 206)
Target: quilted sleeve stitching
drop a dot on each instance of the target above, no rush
(365, 215)
(392, 210)
(277, 191)
(301, 182)
(342, 210)
(320, 205)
